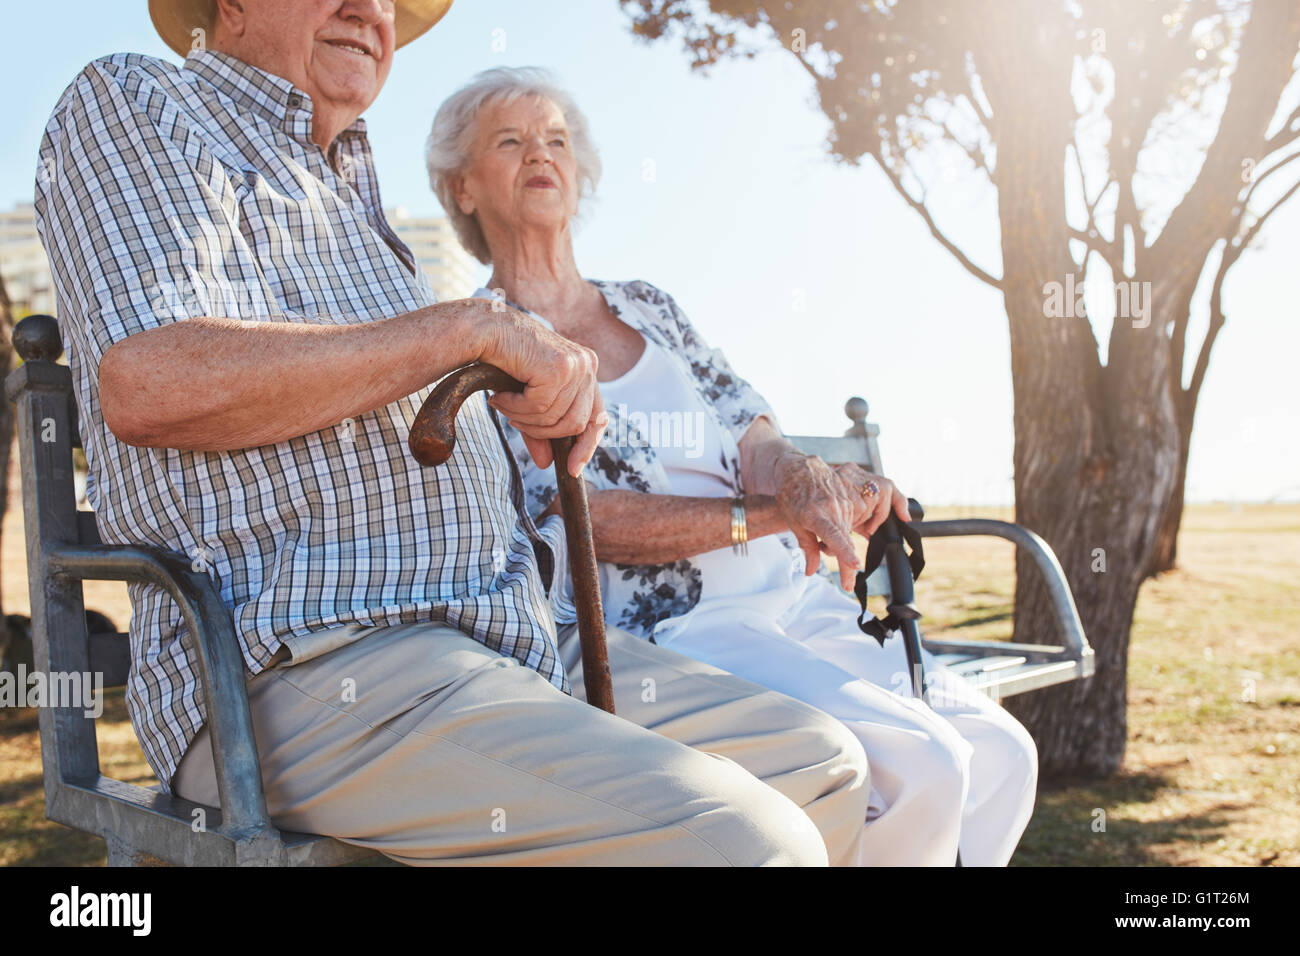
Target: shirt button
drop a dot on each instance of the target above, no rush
(295, 101)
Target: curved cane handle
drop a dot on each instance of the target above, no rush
(433, 433)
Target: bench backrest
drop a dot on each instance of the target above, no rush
(858, 445)
(46, 422)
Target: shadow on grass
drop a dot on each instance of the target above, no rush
(19, 720)
(32, 840)
(20, 788)
(1066, 829)
(977, 621)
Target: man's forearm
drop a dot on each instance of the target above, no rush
(215, 384)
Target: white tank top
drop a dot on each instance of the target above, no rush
(654, 404)
(670, 416)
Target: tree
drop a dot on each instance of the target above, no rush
(1052, 105)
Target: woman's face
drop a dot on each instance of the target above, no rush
(522, 171)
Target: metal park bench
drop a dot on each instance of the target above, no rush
(137, 823)
(64, 549)
(998, 668)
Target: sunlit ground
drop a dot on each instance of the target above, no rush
(1210, 778)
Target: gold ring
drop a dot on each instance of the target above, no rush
(870, 489)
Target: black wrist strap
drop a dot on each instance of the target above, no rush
(881, 628)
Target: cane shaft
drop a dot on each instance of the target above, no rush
(586, 580)
(902, 594)
(432, 440)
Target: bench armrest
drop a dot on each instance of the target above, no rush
(211, 636)
(1058, 589)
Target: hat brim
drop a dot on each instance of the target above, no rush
(178, 21)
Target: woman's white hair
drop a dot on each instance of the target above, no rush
(447, 151)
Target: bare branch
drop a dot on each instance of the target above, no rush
(974, 100)
(1091, 233)
(1231, 253)
(817, 77)
(1204, 215)
(1193, 390)
(974, 152)
(943, 240)
(1083, 179)
(1254, 184)
(1253, 231)
(1286, 134)
(1106, 248)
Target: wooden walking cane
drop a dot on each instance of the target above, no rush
(432, 438)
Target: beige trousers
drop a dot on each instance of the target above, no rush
(423, 744)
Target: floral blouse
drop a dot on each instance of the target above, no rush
(642, 599)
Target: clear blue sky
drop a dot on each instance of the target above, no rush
(747, 217)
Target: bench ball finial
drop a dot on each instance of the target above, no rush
(37, 337)
(856, 409)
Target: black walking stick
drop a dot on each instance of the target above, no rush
(432, 438)
(901, 614)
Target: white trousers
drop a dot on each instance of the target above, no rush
(962, 774)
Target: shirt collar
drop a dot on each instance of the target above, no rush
(255, 90)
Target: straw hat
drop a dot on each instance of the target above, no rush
(175, 20)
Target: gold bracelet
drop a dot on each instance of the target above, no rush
(739, 530)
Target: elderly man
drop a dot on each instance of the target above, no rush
(250, 341)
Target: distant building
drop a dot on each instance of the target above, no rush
(433, 242)
(18, 224)
(23, 264)
(27, 278)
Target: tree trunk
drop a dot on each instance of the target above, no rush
(1094, 473)
(1095, 447)
(1166, 554)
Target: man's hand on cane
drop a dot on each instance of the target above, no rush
(560, 395)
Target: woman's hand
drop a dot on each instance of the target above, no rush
(821, 508)
(823, 504)
(878, 505)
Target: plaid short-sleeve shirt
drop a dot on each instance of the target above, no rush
(166, 193)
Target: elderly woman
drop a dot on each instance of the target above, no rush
(509, 157)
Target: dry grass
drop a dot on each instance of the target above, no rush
(1210, 778)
